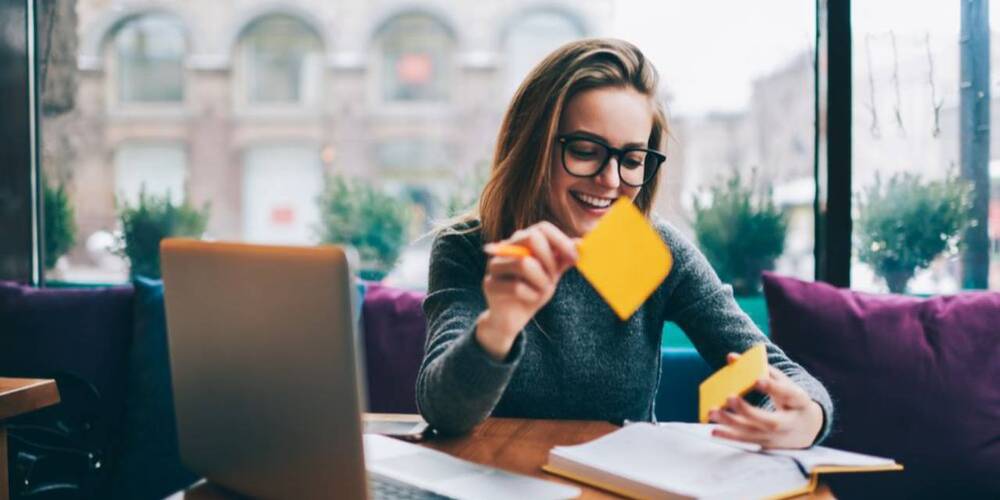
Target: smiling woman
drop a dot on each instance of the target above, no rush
(584, 184)
(527, 336)
(598, 107)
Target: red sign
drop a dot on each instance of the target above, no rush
(414, 68)
(282, 216)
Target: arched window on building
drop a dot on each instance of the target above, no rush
(415, 58)
(532, 36)
(280, 62)
(148, 53)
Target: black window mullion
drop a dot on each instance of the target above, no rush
(833, 218)
(19, 240)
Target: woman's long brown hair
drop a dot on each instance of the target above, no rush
(516, 193)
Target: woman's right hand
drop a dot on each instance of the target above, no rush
(517, 287)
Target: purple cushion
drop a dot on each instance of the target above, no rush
(395, 329)
(914, 379)
(84, 331)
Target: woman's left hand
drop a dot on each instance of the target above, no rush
(794, 423)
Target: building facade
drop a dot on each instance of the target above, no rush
(245, 104)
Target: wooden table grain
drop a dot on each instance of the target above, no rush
(522, 445)
(19, 396)
(513, 444)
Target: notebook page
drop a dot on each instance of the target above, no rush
(808, 458)
(686, 464)
(819, 455)
(705, 431)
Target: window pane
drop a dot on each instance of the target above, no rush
(150, 54)
(416, 53)
(280, 186)
(158, 170)
(913, 195)
(743, 107)
(533, 37)
(283, 61)
(415, 155)
(742, 125)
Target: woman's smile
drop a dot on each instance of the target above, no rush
(591, 204)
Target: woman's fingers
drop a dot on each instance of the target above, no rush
(735, 420)
(794, 423)
(526, 269)
(555, 251)
(737, 412)
(741, 421)
(541, 250)
(511, 287)
(564, 246)
(782, 390)
(731, 358)
(761, 419)
(740, 434)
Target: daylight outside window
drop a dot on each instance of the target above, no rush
(271, 108)
(912, 194)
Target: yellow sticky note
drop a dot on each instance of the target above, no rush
(624, 258)
(735, 379)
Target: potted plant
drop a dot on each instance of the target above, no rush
(353, 212)
(152, 219)
(905, 224)
(60, 224)
(740, 231)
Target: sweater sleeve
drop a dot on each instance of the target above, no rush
(458, 384)
(705, 309)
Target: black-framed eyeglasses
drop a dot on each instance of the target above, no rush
(587, 157)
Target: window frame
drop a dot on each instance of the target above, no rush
(832, 202)
(20, 211)
(832, 157)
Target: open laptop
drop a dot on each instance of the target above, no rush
(266, 389)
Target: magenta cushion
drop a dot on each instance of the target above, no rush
(395, 329)
(914, 379)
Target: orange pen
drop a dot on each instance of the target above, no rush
(506, 250)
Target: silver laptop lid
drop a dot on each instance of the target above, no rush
(263, 365)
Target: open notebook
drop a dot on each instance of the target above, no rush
(679, 460)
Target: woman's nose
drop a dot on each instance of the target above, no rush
(609, 176)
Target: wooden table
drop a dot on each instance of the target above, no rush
(514, 444)
(19, 396)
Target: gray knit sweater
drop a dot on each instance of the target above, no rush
(575, 359)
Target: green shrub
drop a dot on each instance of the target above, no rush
(741, 232)
(352, 212)
(151, 220)
(903, 225)
(60, 224)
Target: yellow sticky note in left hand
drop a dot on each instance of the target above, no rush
(624, 258)
(734, 379)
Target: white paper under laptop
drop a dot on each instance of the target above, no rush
(446, 475)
